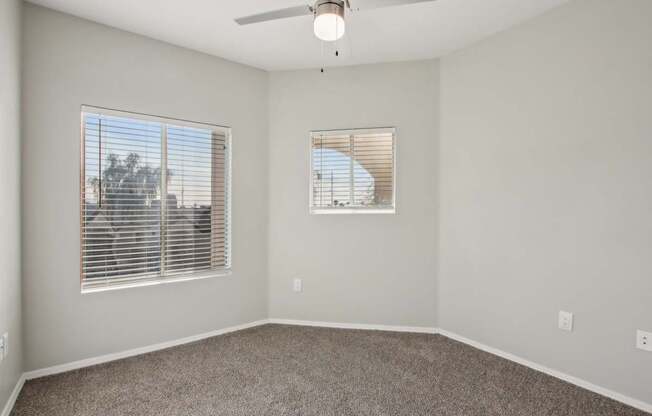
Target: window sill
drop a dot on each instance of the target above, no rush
(327, 211)
(150, 282)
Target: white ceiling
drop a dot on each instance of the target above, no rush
(400, 33)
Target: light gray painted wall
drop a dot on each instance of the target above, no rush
(69, 62)
(377, 269)
(10, 291)
(546, 191)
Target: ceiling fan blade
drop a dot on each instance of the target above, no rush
(361, 5)
(276, 14)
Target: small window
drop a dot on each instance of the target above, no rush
(154, 199)
(352, 171)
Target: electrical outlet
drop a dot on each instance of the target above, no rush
(644, 340)
(298, 285)
(565, 321)
(4, 346)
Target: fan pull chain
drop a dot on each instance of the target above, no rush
(350, 42)
(321, 43)
(337, 52)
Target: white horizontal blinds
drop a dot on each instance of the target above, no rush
(353, 169)
(331, 170)
(220, 215)
(121, 198)
(373, 168)
(196, 229)
(129, 163)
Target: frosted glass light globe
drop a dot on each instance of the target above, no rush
(329, 26)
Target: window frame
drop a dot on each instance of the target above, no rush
(351, 210)
(123, 282)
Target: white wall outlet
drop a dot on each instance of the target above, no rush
(297, 285)
(565, 321)
(4, 346)
(644, 340)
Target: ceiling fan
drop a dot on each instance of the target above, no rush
(328, 14)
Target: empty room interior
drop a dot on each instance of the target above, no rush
(331, 207)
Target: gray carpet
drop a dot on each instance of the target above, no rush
(283, 370)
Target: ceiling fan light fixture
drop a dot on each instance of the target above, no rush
(329, 20)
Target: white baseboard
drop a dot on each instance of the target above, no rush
(638, 404)
(14, 395)
(62, 368)
(373, 327)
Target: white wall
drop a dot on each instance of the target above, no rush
(376, 269)
(10, 292)
(69, 62)
(546, 191)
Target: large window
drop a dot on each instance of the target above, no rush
(352, 171)
(154, 199)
